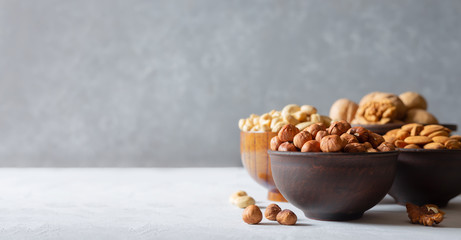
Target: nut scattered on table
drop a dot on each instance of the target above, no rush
(427, 215)
(286, 217)
(237, 194)
(300, 116)
(339, 137)
(244, 201)
(417, 136)
(252, 214)
(271, 212)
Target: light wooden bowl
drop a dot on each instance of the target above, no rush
(255, 159)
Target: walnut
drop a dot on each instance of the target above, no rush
(360, 133)
(338, 127)
(315, 128)
(355, 147)
(385, 147)
(343, 109)
(394, 100)
(420, 116)
(427, 215)
(376, 112)
(413, 100)
(331, 143)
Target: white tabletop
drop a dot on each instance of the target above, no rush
(183, 203)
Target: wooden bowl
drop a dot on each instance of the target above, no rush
(333, 186)
(427, 176)
(384, 128)
(253, 149)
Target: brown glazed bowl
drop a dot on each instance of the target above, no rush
(427, 176)
(253, 150)
(333, 186)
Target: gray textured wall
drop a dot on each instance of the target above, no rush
(163, 83)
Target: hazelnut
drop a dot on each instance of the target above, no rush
(367, 145)
(286, 217)
(375, 139)
(354, 147)
(338, 127)
(331, 143)
(320, 135)
(311, 146)
(271, 211)
(252, 214)
(315, 128)
(236, 195)
(371, 150)
(301, 138)
(275, 143)
(360, 133)
(244, 201)
(348, 138)
(385, 147)
(287, 147)
(287, 133)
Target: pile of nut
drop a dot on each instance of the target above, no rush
(338, 137)
(382, 108)
(417, 136)
(300, 116)
(253, 215)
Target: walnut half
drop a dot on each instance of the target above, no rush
(426, 215)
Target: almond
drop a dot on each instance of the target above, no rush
(440, 139)
(439, 133)
(456, 137)
(419, 140)
(400, 143)
(408, 127)
(453, 144)
(412, 146)
(434, 146)
(428, 129)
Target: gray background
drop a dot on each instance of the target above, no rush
(163, 83)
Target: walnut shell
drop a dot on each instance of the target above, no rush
(420, 116)
(400, 107)
(343, 109)
(413, 100)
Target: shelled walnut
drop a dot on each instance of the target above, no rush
(427, 215)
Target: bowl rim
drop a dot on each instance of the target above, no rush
(281, 153)
(421, 150)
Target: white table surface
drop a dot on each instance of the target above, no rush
(188, 203)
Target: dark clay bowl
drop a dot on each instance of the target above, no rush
(333, 186)
(384, 128)
(427, 176)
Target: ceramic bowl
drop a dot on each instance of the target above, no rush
(333, 186)
(427, 176)
(253, 150)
